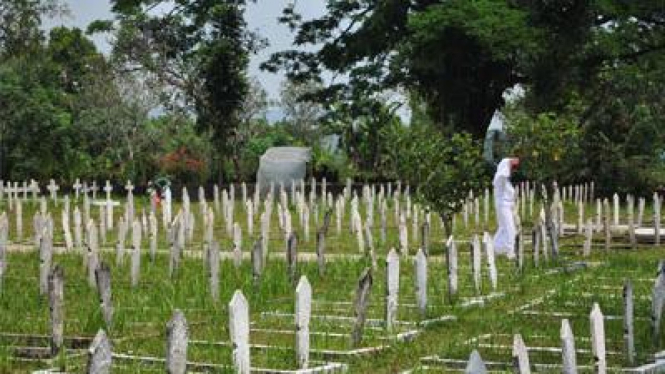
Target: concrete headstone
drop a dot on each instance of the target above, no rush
(598, 339)
(100, 355)
(421, 281)
(177, 333)
(568, 355)
(239, 331)
(392, 288)
(520, 356)
(57, 308)
(361, 306)
(475, 365)
(303, 311)
(103, 276)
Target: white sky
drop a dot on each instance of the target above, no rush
(261, 17)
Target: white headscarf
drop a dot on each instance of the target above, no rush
(502, 171)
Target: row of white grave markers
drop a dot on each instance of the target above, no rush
(520, 355)
(598, 331)
(239, 326)
(368, 192)
(100, 352)
(106, 208)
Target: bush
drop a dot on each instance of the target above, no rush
(549, 146)
(442, 168)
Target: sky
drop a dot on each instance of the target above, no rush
(261, 17)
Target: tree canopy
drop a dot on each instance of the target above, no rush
(460, 56)
(174, 96)
(198, 51)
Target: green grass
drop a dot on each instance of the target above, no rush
(141, 313)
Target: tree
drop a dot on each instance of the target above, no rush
(200, 51)
(34, 126)
(113, 118)
(36, 102)
(74, 55)
(549, 148)
(302, 116)
(443, 169)
(366, 135)
(255, 105)
(20, 25)
(460, 55)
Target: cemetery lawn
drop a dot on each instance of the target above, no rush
(139, 327)
(531, 303)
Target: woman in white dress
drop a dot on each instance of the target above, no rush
(504, 203)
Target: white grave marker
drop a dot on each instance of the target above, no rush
(239, 331)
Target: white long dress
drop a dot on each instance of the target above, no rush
(167, 205)
(504, 202)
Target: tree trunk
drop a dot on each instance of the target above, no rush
(447, 226)
(220, 171)
(236, 167)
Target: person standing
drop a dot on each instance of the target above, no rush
(504, 203)
(166, 207)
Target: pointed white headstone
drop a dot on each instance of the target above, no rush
(421, 281)
(520, 356)
(588, 237)
(136, 253)
(177, 334)
(615, 215)
(656, 217)
(303, 310)
(476, 258)
(392, 288)
(598, 339)
(451, 262)
(100, 356)
(476, 365)
(239, 330)
(57, 308)
(361, 305)
(103, 277)
(568, 354)
(488, 243)
(658, 302)
(213, 266)
(45, 260)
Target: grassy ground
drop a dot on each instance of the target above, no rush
(141, 313)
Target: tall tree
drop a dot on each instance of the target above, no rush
(200, 51)
(461, 55)
(302, 116)
(37, 96)
(20, 24)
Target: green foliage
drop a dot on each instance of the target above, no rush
(365, 131)
(199, 51)
(33, 123)
(302, 116)
(75, 56)
(623, 125)
(549, 146)
(611, 133)
(442, 168)
(180, 152)
(20, 25)
(461, 55)
(334, 166)
(264, 136)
